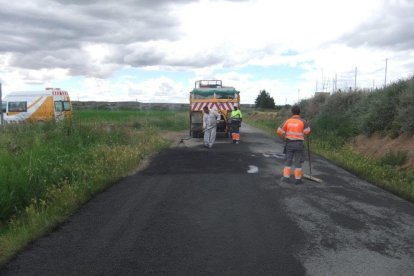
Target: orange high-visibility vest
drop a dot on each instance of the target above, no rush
(294, 128)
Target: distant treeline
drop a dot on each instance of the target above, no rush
(77, 105)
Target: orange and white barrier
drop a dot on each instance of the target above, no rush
(212, 106)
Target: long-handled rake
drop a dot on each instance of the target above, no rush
(184, 139)
(309, 176)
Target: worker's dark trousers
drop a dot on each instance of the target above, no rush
(295, 151)
(235, 130)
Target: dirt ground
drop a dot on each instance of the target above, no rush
(377, 146)
(175, 136)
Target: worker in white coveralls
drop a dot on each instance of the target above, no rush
(210, 119)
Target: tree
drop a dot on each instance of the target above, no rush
(264, 100)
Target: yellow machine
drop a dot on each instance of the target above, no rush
(51, 104)
(212, 94)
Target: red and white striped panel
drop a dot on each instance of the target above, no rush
(197, 106)
(212, 106)
(226, 106)
(200, 106)
(60, 93)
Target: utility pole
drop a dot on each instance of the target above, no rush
(316, 89)
(386, 65)
(323, 83)
(327, 84)
(355, 78)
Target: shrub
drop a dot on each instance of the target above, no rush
(264, 100)
(394, 159)
(383, 109)
(310, 108)
(405, 117)
(388, 111)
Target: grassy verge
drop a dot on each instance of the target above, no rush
(48, 170)
(399, 182)
(380, 173)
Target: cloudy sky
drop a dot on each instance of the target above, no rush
(154, 50)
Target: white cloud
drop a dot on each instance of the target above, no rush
(45, 41)
(160, 90)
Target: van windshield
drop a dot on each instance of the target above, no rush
(66, 106)
(17, 106)
(58, 106)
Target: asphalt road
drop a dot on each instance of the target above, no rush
(223, 211)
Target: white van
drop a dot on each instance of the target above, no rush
(51, 104)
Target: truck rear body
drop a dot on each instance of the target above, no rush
(216, 97)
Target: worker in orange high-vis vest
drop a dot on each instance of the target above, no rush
(294, 129)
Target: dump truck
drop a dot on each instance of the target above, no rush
(215, 96)
(30, 106)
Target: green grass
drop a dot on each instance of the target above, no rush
(266, 120)
(394, 159)
(378, 172)
(266, 125)
(48, 170)
(161, 120)
(383, 172)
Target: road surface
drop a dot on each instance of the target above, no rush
(223, 211)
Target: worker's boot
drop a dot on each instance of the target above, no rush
(298, 176)
(286, 175)
(284, 179)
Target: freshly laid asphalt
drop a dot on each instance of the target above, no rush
(223, 211)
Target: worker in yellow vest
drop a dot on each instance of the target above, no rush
(236, 119)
